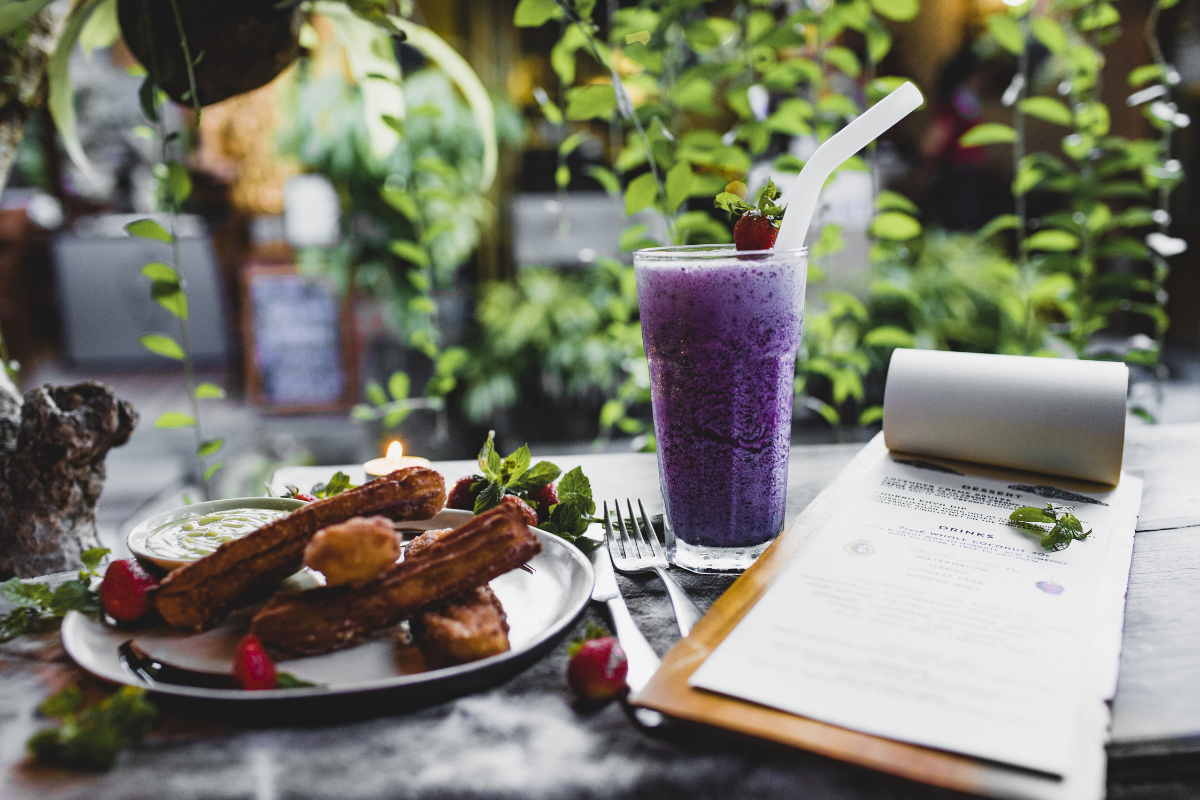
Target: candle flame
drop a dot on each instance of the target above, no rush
(395, 451)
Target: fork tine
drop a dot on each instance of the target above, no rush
(643, 543)
(609, 538)
(648, 528)
(627, 544)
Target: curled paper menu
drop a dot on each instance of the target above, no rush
(912, 610)
(1059, 416)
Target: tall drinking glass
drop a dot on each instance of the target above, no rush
(721, 329)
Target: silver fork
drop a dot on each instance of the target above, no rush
(640, 551)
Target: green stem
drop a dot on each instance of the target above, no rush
(189, 372)
(594, 48)
(1024, 265)
(187, 58)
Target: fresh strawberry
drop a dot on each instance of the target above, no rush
(541, 499)
(123, 590)
(597, 669)
(523, 508)
(462, 495)
(754, 231)
(252, 667)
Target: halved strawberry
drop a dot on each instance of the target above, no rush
(123, 590)
(754, 231)
(252, 667)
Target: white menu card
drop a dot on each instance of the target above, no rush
(919, 612)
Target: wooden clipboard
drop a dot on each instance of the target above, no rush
(669, 693)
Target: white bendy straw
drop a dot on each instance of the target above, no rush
(831, 155)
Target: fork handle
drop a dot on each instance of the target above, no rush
(643, 661)
(687, 613)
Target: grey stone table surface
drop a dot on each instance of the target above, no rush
(527, 739)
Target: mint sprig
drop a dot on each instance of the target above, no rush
(1065, 526)
(38, 607)
(766, 203)
(569, 518)
(511, 475)
(339, 483)
(91, 738)
(572, 515)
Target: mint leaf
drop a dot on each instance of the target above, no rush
(92, 558)
(576, 489)
(515, 465)
(17, 623)
(73, 596)
(766, 200)
(27, 595)
(339, 483)
(730, 202)
(489, 498)
(1066, 526)
(489, 459)
(286, 680)
(1071, 523)
(1032, 514)
(536, 477)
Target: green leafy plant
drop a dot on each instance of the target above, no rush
(415, 155)
(1064, 526)
(39, 608)
(433, 202)
(168, 289)
(559, 337)
(91, 737)
(1085, 248)
(670, 76)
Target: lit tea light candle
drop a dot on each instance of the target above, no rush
(394, 460)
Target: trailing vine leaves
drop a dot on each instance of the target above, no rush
(672, 72)
(169, 290)
(1104, 182)
(429, 153)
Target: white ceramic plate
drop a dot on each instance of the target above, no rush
(541, 607)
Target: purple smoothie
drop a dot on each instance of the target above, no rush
(721, 336)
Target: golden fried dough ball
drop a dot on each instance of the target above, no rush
(353, 552)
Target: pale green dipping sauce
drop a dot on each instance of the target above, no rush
(197, 535)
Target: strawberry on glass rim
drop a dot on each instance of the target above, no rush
(757, 225)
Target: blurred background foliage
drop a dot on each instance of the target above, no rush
(674, 100)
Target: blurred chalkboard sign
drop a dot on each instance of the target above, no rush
(298, 341)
